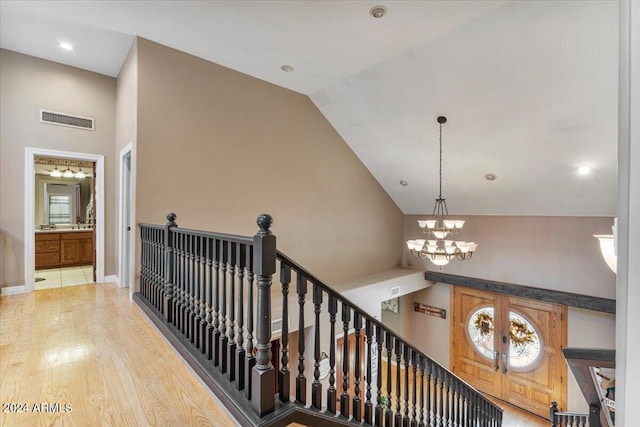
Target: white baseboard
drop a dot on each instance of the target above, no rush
(112, 279)
(14, 290)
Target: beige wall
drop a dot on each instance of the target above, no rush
(126, 133)
(28, 84)
(546, 252)
(218, 147)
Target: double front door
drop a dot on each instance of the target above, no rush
(510, 348)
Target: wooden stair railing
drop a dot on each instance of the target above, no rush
(198, 288)
(569, 419)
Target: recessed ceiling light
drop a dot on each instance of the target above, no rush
(287, 68)
(403, 183)
(584, 170)
(378, 11)
(66, 46)
(491, 177)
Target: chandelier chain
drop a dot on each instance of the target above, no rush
(440, 191)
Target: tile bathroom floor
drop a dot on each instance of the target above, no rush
(66, 276)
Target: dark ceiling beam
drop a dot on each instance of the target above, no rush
(573, 300)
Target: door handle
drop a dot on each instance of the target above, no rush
(504, 363)
(496, 360)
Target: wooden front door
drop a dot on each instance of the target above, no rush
(510, 348)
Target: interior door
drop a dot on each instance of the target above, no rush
(510, 348)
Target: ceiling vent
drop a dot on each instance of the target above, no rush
(62, 119)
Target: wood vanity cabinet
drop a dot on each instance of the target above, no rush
(47, 250)
(64, 249)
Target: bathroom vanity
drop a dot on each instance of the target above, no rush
(63, 248)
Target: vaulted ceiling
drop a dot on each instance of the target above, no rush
(529, 87)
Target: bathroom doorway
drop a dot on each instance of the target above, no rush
(64, 222)
(64, 218)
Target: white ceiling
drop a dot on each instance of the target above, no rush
(529, 87)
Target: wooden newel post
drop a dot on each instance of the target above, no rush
(168, 269)
(264, 265)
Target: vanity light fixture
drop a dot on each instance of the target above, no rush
(80, 174)
(55, 173)
(68, 173)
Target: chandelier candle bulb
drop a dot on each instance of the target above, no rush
(438, 250)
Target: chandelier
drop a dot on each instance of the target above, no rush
(438, 249)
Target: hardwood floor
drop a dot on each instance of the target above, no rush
(90, 350)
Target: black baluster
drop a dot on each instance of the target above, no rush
(224, 340)
(414, 367)
(251, 361)
(150, 272)
(316, 386)
(388, 413)
(398, 414)
(202, 280)
(215, 337)
(231, 342)
(197, 284)
(368, 406)
(143, 263)
(430, 386)
(441, 407)
(208, 330)
(187, 285)
(301, 380)
(405, 356)
(455, 387)
(421, 363)
(446, 399)
(357, 401)
(344, 397)
(183, 281)
(192, 287)
(331, 391)
(263, 376)
(284, 374)
(379, 409)
(241, 353)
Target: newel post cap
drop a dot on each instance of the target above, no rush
(171, 218)
(264, 244)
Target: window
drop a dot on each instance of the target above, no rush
(524, 341)
(59, 209)
(481, 331)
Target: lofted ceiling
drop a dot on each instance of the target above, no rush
(529, 87)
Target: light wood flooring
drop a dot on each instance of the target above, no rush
(92, 351)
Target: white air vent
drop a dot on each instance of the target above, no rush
(276, 326)
(395, 291)
(62, 119)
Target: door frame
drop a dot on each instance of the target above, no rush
(126, 280)
(29, 209)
